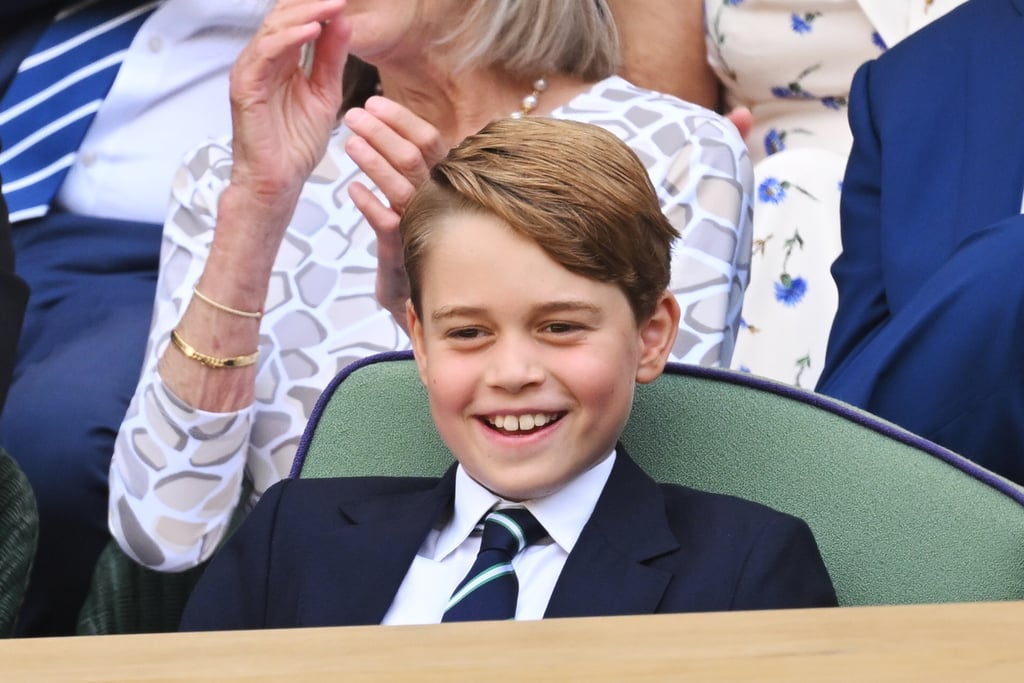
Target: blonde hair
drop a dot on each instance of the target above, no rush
(526, 39)
(531, 38)
(574, 189)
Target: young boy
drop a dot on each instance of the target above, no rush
(538, 261)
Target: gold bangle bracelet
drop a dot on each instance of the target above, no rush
(212, 361)
(227, 309)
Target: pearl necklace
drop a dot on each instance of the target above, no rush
(527, 106)
(530, 101)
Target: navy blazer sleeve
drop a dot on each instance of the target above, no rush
(858, 270)
(735, 554)
(783, 569)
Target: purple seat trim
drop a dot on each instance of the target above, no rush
(719, 375)
(328, 393)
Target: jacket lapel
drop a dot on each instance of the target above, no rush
(353, 574)
(607, 574)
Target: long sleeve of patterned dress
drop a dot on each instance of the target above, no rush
(177, 472)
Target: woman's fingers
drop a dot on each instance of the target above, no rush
(743, 119)
(282, 118)
(392, 285)
(395, 149)
(397, 175)
(411, 127)
(404, 144)
(329, 55)
(288, 13)
(381, 218)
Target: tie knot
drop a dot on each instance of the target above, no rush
(510, 531)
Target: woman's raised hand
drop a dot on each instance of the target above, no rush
(282, 114)
(395, 148)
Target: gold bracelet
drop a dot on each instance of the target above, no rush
(213, 361)
(226, 309)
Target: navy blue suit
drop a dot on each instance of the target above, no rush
(13, 295)
(333, 552)
(92, 284)
(930, 327)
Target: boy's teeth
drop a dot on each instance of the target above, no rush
(516, 423)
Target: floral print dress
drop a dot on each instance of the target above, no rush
(791, 62)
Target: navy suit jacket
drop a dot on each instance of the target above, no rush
(929, 326)
(938, 155)
(13, 297)
(21, 23)
(333, 552)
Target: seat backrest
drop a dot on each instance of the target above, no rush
(19, 531)
(898, 519)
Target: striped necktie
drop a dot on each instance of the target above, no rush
(491, 589)
(51, 101)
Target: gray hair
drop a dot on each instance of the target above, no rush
(532, 38)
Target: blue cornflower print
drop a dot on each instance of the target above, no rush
(790, 290)
(835, 103)
(732, 3)
(774, 142)
(876, 38)
(794, 89)
(771, 190)
(802, 23)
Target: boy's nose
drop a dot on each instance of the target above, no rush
(514, 365)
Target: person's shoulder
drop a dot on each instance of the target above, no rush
(304, 506)
(722, 513)
(949, 36)
(330, 491)
(638, 106)
(657, 126)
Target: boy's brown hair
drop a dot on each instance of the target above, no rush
(574, 189)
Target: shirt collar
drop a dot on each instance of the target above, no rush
(563, 514)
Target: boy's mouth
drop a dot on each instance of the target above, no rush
(522, 424)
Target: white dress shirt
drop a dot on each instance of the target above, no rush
(448, 552)
(170, 95)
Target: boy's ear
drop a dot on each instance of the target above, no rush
(657, 335)
(415, 328)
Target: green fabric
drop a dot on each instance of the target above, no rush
(125, 597)
(895, 524)
(19, 530)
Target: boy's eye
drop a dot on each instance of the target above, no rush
(562, 327)
(465, 333)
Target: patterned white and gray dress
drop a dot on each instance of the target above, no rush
(177, 472)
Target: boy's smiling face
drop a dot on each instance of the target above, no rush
(530, 368)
